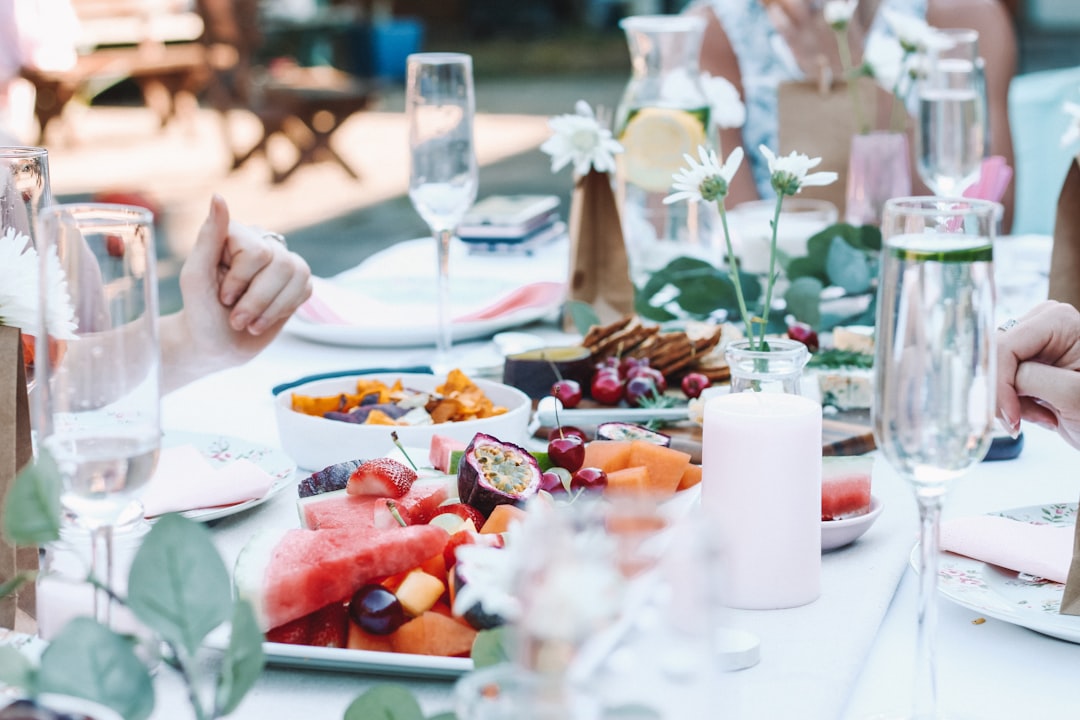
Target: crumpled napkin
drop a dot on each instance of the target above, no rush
(994, 177)
(1041, 550)
(333, 304)
(186, 480)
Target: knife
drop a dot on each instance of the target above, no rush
(417, 369)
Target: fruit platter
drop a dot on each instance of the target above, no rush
(368, 577)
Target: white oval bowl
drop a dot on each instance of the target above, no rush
(315, 442)
(838, 533)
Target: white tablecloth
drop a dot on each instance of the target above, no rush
(829, 659)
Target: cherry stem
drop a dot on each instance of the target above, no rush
(397, 442)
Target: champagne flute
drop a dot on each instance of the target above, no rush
(933, 410)
(953, 129)
(440, 105)
(98, 410)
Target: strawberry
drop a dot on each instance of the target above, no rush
(465, 512)
(329, 627)
(295, 632)
(381, 477)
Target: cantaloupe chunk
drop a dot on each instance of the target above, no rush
(500, 518)
(633, 480)
(419, 591)
(608, 455)
(434, 634)
(690, 477)
(360, 639)
(435, 565)
(666, 466)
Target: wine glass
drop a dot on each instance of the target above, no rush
(440, 106)
(933, 409)
(98, 407)
(952, 137)
(24, 187)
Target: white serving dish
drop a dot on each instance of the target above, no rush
(315, 442)
(838, 533)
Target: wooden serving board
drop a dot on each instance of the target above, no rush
(845, 433)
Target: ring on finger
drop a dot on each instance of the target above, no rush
(1008, 325)
(276, 237)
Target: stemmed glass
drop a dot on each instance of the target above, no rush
(953, 129)
(98, 407)
(440, 105)
(933, 409)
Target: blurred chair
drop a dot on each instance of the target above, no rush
(1038, 122)
(151, 43)
(306, 105)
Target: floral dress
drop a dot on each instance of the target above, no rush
(765, 61)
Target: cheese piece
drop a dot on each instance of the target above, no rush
(856, 338)
(847, 388)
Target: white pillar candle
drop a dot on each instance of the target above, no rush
(761, 486)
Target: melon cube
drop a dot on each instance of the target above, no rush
(419, 592)
(845, 486)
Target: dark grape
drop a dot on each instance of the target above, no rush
(376, 610)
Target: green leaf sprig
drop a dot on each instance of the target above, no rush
(178, 587)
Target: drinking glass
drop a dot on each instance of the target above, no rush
(952, 136)
(98, 408)
(24, 188)
(440, 104)
(933, 409)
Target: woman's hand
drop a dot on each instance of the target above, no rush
(239, 287)
(1039, 370)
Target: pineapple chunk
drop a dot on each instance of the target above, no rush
(419, 592)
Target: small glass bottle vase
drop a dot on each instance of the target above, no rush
(879, 168)
(778, 369)
(662, 116)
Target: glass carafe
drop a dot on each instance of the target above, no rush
(663, 115)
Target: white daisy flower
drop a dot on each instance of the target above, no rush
(1072, 133)
(838, 13)
(492, 577)
(707, 180)
(884, 58)
(790, 174)
(580, 140)
(725, 105)
(914, 34)
(19, 289)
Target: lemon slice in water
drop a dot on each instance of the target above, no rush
(654, 142)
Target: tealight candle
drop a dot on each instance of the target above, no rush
(761, 485)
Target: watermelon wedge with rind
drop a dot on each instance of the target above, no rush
(287, 576)
(845, 486)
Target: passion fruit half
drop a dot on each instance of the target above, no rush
(493, 472)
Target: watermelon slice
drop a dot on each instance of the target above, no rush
(339, 509)
(286, 577)
(441, 449)
(845, 486)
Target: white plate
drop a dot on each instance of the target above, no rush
(366, 661)
(1005, 594)
(838, 533)
(221, 450)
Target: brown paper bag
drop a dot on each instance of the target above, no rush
(1065, 256)
(599, 269)
(818, 120)
(1070, 599)
(15, 453)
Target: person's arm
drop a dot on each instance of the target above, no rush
(239, 287)
(997, 43)
(719, 60)
(1039, 370)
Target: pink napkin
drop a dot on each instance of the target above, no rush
(994, 177)
(185, 480)
(332, 304)
(1041, 550)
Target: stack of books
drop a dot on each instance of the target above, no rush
(512, 223)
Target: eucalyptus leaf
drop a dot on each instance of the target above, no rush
(21, 578)
(812, 266)
(444, 716)
(178, 584)
(490, 647)
(582, 315)
(17, 671)
(385, 702)
(803, 300)
(848, 267)
(32, 509)
(243, 661)
(633, 711)
(90, 661)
